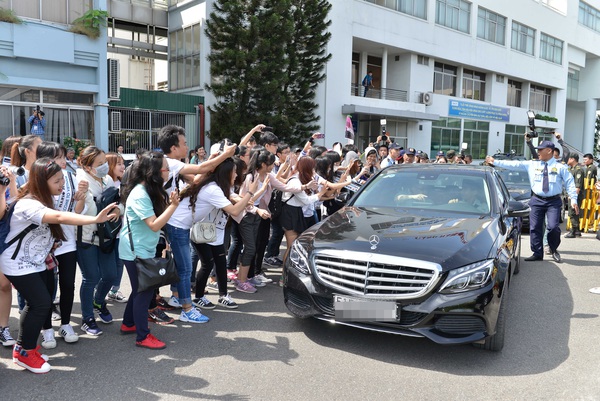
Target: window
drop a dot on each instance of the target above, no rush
(416, 8)
(589, 16)
(514, 139)
(444, 79)
(184, 58)
(476, 135)
(551, 49)
(573, 84)
(473, 85)
(491, 26)
(513, 95)
(445, 135)
(454, 14)
(59, 11)
(539, 98)
(523, 38)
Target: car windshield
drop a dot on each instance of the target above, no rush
(514, 177)
(427, 189)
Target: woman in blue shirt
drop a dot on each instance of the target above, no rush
(147, 210)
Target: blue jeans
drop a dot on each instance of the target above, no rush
(180, 246)
(99, 271)
(117, 282)
(275, 240)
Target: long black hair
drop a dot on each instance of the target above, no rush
(324, 167)
(220, 176)
(49, 149)
(146, 169)
(259, 158)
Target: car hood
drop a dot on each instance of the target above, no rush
(450, 241)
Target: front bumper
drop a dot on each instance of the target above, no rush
(443, 318)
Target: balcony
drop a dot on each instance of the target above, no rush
(381, 93)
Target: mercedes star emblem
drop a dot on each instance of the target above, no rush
(374, 241)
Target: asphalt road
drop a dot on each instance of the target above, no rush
(259, 352)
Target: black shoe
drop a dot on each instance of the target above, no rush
(571, 234)
(578, 233)
(533, 258)
(556, 257)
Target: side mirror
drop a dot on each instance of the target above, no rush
(517, 209)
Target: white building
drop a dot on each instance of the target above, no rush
(444, 71)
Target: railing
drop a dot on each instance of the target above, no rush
(381, 93)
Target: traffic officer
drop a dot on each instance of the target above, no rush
(578, 176)
(547, 178)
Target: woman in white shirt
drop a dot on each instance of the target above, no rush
(24, 262)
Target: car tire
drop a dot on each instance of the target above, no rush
(496, 342)
(518, 259)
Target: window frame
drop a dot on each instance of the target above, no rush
(476, 79)
(454, 14)
(517, 96)
(485, 23)
(522, 36)
(537, 92)
(445, 75)
(551, 48)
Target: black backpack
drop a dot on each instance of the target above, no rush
(107, 232)
(5, 230)
(276, 203)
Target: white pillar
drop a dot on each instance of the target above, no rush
(589, 125)
(384, 68)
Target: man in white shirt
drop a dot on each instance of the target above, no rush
(393, 154)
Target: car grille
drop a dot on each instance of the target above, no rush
(379, 276)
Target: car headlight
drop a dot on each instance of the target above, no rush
(299, 258)
(468, 277)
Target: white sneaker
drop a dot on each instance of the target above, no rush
(174, 302)
(595, 290)
(5, 338)
(226, 302)
(68, 334)
(48, 342)
(263, 278)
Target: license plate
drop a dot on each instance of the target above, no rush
(359, 309)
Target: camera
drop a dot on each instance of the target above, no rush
(17, 170)
(267, 128)
(4, 181)
(531, 121)
(228, 143)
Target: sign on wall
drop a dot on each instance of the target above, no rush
(477, 111)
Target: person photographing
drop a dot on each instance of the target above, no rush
(37, 122)
(547, 177)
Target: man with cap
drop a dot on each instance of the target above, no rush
(409, 156)
(439, 154)
(591, 171)
(578, 176)
(547, 178)
(393, 154)
(451, 156)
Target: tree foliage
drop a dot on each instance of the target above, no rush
(267, 59)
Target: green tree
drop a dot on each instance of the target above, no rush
(267, 59)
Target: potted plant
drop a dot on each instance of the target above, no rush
(89, 23)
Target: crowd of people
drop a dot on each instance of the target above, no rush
(60, 211)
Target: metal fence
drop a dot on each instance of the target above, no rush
(140, 128)
(381, 93)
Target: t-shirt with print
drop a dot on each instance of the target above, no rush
(175, 167)
(209, 204)
(138, 208)
(35, 246)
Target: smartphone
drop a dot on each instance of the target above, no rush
(6, 161)
(319, 135)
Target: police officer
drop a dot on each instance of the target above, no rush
(591, 171)
(547, 178)
(578, 176)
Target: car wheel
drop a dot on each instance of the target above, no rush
(496, 342)
(518, 259)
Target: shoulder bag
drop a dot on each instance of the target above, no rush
(154, 272)
(204, 232)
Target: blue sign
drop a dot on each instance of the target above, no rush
(478, 111)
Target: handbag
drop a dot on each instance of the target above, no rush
(155, 272)
(204, 232)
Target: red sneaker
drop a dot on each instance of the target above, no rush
(151, 342)
(32, 361)
(17, 349)
(127, 329)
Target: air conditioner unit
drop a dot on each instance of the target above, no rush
(115, 121)
(114, 83)
(427, 98)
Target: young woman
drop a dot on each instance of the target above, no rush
(116, 169)
(23, 155)
(71, 199)
(297, 213)
(210, 202)
(27, 270)
(147, 210)
(99, 269)
(253, 218)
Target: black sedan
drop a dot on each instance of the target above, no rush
(421, 250)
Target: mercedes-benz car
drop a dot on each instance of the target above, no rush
(424, 250)
(517, 183)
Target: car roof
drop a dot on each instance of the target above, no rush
(443, 167)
